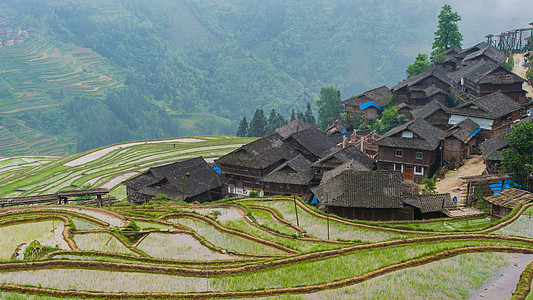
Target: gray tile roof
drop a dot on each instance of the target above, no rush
(469, 50)
(296, 171)
(492, 106)
(169, 179)
(378, 96)
(462, 130)
(435, 202)
(349, 165)
(491, 148)
(437, 71)
(491, 52)
(292, 127)
(427, 136)
(313, 140)
(260, 153)
(344, 155)
(482, 72)
(362, 189)
(428, 109)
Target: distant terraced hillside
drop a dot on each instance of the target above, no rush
(104, 167)
(36, 76)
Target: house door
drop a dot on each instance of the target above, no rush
(408, 173)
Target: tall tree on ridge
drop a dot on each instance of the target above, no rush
(309, 117)
(243, 127)
(447, 35)
(257, 124)
(329, 105)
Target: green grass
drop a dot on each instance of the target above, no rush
(14, 235)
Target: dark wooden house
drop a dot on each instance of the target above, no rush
(311, 143)
(292, 127)
(482, 78)
(450, 61)
(341, 156)
(489, 53)
(368, 105)
(414, 90)
(412, 149)
(459, 142)
(493, 113)
(430, 205)
(435, 113)
(245, 167)
(405, 110)
(191, 180)
(364, 195)
(503, 203)
(465, 52)
(491, 150)
(291, 178)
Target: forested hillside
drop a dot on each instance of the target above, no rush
(196, 67)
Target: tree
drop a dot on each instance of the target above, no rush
(257, 124)
(309, 118)
(293, 115)
(329, 105)
(390, 119)
(447, 35)
(243, 127)
(518, 158)
(275, 120)
(420, 64)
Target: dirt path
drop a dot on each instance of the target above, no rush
(455, 186)
(520, 69)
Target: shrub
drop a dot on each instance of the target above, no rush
(254, 193)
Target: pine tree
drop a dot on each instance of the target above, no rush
(447, 35)
(309, 117)
(243, 127)
(293, 115)
(257, 124)
(275, 120)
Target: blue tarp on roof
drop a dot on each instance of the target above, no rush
(473, 134)
(314, 201)
(498, 188)
(217, 169)
(344, 131)
(368, 104)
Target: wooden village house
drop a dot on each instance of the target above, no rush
(459, 142)
(432, 84)
(493, 113)
(190, 180)
(491, 150)
(482, 78)
(503, 203)
(411, 148)
(363, 195)
(291, 178)
(368, 105)
(435, 113)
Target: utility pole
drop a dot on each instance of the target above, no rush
(327, 213)
(296, 211)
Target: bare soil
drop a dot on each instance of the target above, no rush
(453, 184)
(520, 69)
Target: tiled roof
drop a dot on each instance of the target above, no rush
(195, 173)
(378, 96)
(428, 136)
(492, 106)
(428, 109)
(469, 50)
(482, 72)
(292, 127)
(313, 140)
(491, 52)
(491, 148)
(463, 130)
(435, 202)
(349, 165)
(260, 153)
(344, 155)
(437, 71)
(510, 198)
(362, 189)
(295, 171)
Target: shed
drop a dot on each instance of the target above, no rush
(503, 203)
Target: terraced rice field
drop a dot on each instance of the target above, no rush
(104, 167)
(235, 248)
(243, 248)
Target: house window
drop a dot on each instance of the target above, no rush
(407, 134)
(398, 167)
(418, 155)
(399, 153)
(419, 170)
(257, 181)
(288, 186)
(281, 185)
(245, 168)
(267, 184)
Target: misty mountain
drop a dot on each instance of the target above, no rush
(194, 67)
